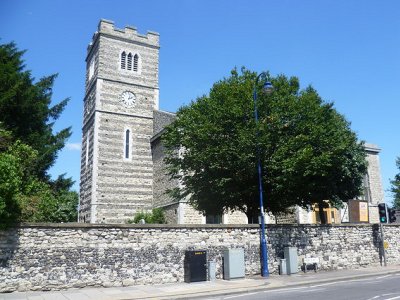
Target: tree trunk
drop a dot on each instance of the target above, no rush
(322, 216)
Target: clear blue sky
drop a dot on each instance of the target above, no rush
(348, 50)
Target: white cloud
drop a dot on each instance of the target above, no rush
(73, 146)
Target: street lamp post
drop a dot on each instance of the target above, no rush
(263, 243)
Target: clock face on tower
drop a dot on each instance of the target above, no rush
(128, 98)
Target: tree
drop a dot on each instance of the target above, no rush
(10, 182)
(395, 188)
(15, 167)
(308, 152)
(25, 109)
(28, 147)
(24, 197)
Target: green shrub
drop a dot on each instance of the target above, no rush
(156, 216)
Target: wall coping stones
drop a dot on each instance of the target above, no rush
(187, 226)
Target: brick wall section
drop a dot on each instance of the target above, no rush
(191, 215)
(162, 119)
(375, 181)
(235, 217)
(171, 213)
(57, 256)
(161, 180)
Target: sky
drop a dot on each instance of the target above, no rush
(347, 50)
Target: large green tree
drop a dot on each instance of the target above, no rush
(26, 110)
(308, 152)
(395, 188)
(29, 147)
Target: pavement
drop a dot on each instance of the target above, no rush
(195, 290)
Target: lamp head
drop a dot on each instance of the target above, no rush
(268, 87)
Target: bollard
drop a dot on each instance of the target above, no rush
(282, 267)
(212, 270)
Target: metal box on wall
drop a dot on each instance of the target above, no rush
(292, 265)
(195, 266)
(234, 263)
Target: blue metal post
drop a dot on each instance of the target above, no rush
(263, 241)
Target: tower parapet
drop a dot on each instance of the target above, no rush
(129, 33)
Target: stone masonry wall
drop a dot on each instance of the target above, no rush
(57, 256)
(374, 181)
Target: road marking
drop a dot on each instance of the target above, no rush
(231, 297)
(287, 290)
(376, 297)
(312, 290)
(398, 297)
(366, 280)
(383, 276)
(241, 295)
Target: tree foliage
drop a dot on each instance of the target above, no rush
(11, 176)
(26, 111)
(28, 147)
(308, 152)
(24, 197)
(395, 188)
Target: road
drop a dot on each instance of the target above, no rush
(385, 287)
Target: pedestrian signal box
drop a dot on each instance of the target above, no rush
(392, 215)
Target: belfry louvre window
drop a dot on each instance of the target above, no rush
(127, 138)
(135, 63)
(130, 61)
(123, 60)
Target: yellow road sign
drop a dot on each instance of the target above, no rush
(385, 245)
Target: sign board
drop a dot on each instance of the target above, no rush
(385, 244)
(358, 211)
(311, 260)
(363, 211)
(344, 213)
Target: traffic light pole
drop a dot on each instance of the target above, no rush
(383, 245)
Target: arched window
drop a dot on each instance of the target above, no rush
(135, 63)
(130, 61)
(127, 138)
(123, 60)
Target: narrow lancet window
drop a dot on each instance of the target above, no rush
(135, 63)
(127, 138)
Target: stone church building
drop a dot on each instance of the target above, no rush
(122, 169)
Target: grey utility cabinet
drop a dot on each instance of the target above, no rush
(292, 265)
(233, 263)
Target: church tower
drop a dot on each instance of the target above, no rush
(120, 97)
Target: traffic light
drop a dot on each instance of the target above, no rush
(392, 215)
(382, 212)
